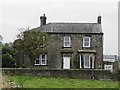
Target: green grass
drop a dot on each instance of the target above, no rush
(44, 82)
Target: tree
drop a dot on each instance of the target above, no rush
(8, 56)
(1, 38)
(32, 43)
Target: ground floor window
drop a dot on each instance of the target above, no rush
(37, 61)
(86, 61)
(41, 59)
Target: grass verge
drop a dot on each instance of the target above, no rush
(44, 82)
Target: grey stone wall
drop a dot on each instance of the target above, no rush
(72, 73)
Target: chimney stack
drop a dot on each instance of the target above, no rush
(43, 20)
(99, 19)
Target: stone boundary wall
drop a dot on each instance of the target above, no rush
(72, 73)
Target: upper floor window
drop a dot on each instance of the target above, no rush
(86, 42)
(41, 59)
(67, 41)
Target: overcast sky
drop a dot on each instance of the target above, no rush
(15, 14)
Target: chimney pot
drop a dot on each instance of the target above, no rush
(43, 20)
(99, 19)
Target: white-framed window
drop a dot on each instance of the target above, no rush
(86, 41)
(87, 61)
(37, 61)
(41, 59)
(67, 41)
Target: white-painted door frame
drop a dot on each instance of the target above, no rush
(66, 62)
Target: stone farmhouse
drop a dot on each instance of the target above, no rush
(74, 46)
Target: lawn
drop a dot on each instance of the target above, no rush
(44, 82)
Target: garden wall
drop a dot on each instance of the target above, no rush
(77, 73)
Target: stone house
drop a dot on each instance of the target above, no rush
(74, 45)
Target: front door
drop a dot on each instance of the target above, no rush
(66, 62)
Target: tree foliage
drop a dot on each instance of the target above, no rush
(8, 56)
(1, 38)
(32, 43)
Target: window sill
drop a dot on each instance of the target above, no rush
(39, 65)
(66, 47)
(86, 47)
(43, 65)
(87, 68)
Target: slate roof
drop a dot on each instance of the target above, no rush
(71, 28)
(110, 58)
